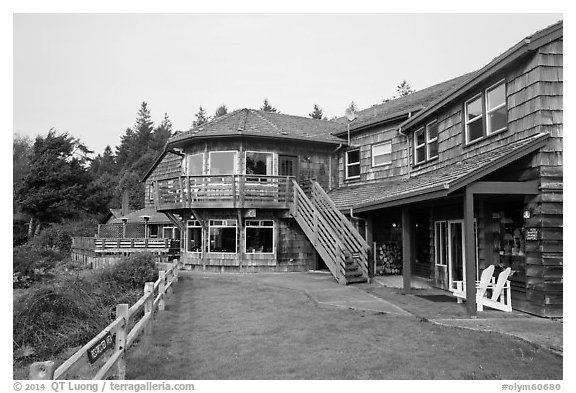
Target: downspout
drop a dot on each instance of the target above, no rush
(330, 165)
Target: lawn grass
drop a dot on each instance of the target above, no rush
(236, 328)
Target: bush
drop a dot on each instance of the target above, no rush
(31, 262)
(131, 272)
(70, 310)
(59, 236)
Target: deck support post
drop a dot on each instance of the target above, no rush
(407, 247)
(469, 253)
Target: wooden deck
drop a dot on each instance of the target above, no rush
(224, 191)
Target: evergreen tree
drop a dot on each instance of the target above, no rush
(316, 113)
(201, 118)
(161, 134)
(403, 89)
(56, 186)
(353, 107)
(104, 163)
(266, 107)
(21, 152)
(221, 111)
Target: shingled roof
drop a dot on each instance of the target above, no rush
(401, 106)
(436, 183)
(256, 123)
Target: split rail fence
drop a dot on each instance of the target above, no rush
(154, 298)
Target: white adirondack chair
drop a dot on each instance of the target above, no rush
(459, 289)
(489, 294)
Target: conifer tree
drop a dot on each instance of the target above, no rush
(201, 118)
(316, 113)
(266, 107)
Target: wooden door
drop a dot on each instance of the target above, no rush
(288, 166)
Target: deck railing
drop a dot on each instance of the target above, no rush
(121, 244)
(249, 191)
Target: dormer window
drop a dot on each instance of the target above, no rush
(426, 143)
(485, 113)
(353, 164)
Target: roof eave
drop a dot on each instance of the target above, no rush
(516, 52)
(281, 138)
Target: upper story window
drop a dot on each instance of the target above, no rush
(426, 143)
(258, 163)
(222, 162)
(485, 113)
(195, 164)
(353, 164)
(151, 192)
(382, 153)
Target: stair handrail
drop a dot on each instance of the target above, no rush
(339, 248)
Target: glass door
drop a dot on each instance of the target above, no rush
(456, 265)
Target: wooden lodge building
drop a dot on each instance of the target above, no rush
(437, 184)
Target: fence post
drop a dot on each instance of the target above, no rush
(42, 370)
(161, 290)
(175, 263)
(148, 291)
(121, 311)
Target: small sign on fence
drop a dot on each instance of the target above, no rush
(531, 234)
(96, 351)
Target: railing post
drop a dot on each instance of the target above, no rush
(161, 290)
(295, 201)
(181, 189)
(121, 334)
(42, 370)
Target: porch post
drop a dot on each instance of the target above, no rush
(469, 253)
(406, 249)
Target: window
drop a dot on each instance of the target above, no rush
(152, 230)
(353, 164)
(223, 236)
(288, 165)
(193, 236)
(485, 113)
(195, 164)
(432, 140)
(222, 162)
(382, 153)
(151, 192)
(170, 232)
(419, 146)
(259, 236)
(426, 143)
(441, 242)
(259, 163)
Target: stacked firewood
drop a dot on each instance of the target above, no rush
(388, 258)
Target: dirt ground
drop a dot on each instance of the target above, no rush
(237, 327)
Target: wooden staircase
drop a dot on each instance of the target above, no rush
(339, 244)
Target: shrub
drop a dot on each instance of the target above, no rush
(59, 236)
(31, 262)
(70, 310)
(131, 272)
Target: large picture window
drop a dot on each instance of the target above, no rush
(486, 113)
(223, 236)
(193, 236)
(353, 164)
(382, 153)
(195, 164)
(258, 163)
(259, 236)
(222, 162)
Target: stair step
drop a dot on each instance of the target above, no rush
(351, 280)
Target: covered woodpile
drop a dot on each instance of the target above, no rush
(388, 258)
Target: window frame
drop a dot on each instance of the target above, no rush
(438, 260)
(348, 165)
(151, 192)
(234, 171)
(273, 171)
(246, 227)
(483, 95)
(211, 225)
(419, 146)
(388, 142)
(428, 141)
(186, 166)
(197, 224)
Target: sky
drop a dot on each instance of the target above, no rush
(87, 74)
